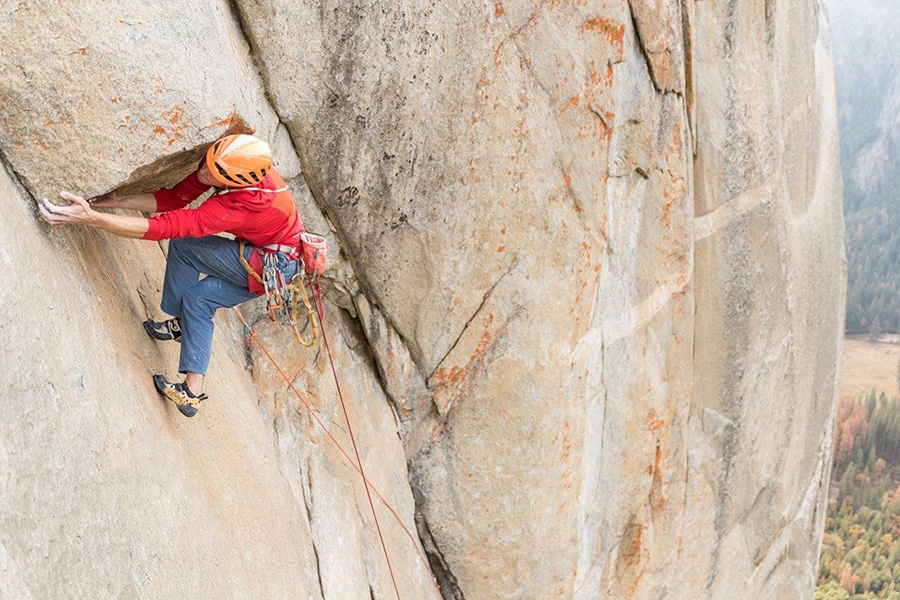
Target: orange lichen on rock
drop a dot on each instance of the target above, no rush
(654, 422)
(590, 269)
(612, 30)
(233, 124)
(449, 384)
(572, 102)
(178, 123)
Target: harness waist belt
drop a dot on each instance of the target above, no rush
(282, 248)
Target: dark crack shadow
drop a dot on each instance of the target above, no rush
(447, 581)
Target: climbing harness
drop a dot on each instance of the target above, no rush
(283, 298)
(355, 464)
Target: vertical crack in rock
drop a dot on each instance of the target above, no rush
(307, 502)
(730, 18)
(447, 581)
(248, 360)
(259, 66)
(687, 33)
(605, 399)
(643, 48)
(771, 26)
(731, 393)
(239, 18)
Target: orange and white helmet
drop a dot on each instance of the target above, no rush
(239, 160)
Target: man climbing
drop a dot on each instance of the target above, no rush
(250, 201)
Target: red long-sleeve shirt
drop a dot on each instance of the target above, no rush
(261, 216)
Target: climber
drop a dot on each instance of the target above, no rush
(251, 201)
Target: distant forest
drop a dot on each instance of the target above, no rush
(867, 70)
(873, 264)
(861, 546)
(873, 224)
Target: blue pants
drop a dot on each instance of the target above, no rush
(195, 301)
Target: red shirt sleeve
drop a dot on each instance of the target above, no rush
(179, 195)
(211, 217)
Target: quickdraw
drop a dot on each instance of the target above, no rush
(283, 298)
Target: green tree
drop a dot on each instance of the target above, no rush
(831, 591)
(875, 329)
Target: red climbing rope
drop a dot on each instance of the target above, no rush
(357, 465)
(317, 294)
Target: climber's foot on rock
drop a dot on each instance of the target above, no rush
(169, 329)
(180, 394)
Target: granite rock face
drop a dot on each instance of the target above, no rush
(582, 301)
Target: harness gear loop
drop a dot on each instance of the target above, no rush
(300, 290)
(241, 245)
(283, 299)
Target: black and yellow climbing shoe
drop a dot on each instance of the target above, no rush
(169, 329)
(179, 393)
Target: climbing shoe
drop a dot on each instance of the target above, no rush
(178, 393)
(169, 329)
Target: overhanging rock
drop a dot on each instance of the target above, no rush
(89, 91)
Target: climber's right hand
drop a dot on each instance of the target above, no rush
(78, 211)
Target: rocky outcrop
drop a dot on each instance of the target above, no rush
(581, 301)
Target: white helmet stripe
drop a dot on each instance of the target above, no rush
(239, 142)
